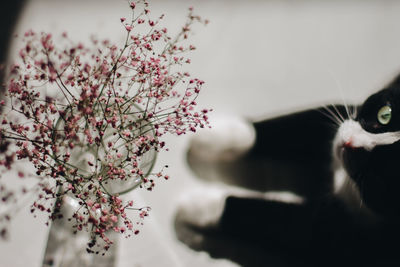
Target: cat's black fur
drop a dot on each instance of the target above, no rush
(294, 153)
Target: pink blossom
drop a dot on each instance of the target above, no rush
(128, 28)
(113, 104)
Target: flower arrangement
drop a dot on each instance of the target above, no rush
(91, 119)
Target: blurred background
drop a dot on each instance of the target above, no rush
(259, 59)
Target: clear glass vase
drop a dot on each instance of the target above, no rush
(66, 247)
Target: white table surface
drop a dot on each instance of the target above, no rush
(258, 58)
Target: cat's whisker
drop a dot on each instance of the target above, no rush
(337, 113)
(332, 109)
(340, 88)
(348, 111)
(354, 112)
(331, 115)
(340, 114)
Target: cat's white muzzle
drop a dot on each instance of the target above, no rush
(351, 134)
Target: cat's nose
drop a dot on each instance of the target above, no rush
(348, 144)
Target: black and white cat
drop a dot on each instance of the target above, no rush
(301, 190)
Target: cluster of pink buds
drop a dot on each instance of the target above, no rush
(91, 119)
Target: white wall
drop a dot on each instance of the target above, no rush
(258, 58)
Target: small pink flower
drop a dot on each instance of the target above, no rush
(128, 27)
(114, 218)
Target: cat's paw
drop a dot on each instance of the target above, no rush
(203, 208)
(229, 138)
(197, 214)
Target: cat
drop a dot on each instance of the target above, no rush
(318, 187)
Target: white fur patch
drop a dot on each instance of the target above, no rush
(284, 196)
(348, 191)
(352, 133)
(229, 138)
(205, 207)
(339, 180)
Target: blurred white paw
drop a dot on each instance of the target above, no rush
(201, 209)
(228, 139)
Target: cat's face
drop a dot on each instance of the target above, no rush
(368, 147)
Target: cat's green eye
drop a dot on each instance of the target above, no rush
(384, 115)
